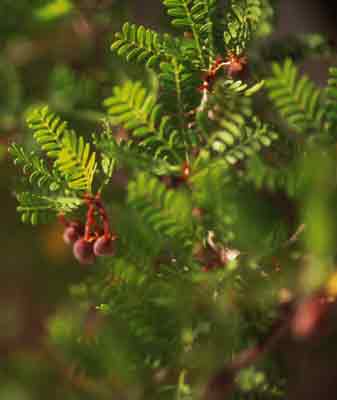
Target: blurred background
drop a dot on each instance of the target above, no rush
(57, 51)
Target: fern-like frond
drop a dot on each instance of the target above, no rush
(76, 162)
(140, 44)
(331, 101)
(297, 99)
(207, 21)
(180, 82)
(127, 154)
(240, 138)
(242, 20)
(287, 178)
(36, 209)
(34, 168)
(167, 212)
(238, 87)
(137, 111)
(72, 155)
(194, 16)
(228, 105)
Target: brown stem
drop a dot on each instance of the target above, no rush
(90, 221)
(223, 382)
(62, 219)
(104, 217)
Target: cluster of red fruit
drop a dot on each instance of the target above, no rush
(90, 240)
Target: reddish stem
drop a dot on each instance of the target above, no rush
(104, 216)
(63, 220)
(224, 379)
(93, 204)
(90, 221)
(185, 170)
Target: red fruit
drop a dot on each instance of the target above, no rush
(83, 251)
(71, 234)
(104, 247)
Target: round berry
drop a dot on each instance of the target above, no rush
(71, 234)
(78, 226)
(83, 251)
(104, 247)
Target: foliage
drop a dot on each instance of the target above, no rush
(72, 155)
(331, 97)
(296, 99)
(138, 112)
(204, 170)
(241, 22)
(138, 43)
